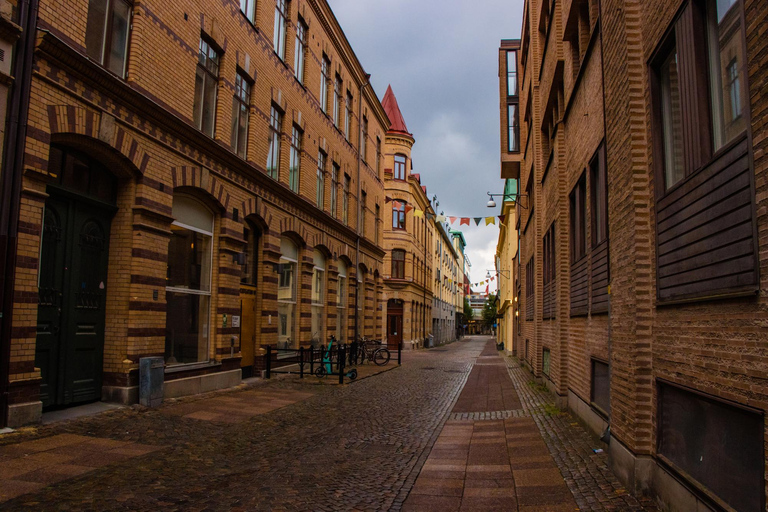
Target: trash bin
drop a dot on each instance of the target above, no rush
(500, 346)
(151, 377)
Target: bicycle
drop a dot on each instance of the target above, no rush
(374, 351)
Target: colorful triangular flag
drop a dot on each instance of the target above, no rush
(387, 199)
(464, 221)
(418, 213)
(453, 219)
(408, 208)
(490, 220)
(478, 220)
(501, 218)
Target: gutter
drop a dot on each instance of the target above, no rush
(13, 161)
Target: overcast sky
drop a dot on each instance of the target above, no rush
(441, 58)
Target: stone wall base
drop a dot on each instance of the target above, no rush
(596, 423)
(201, 383)
(644, 475)
(127, 395)
(25, 414)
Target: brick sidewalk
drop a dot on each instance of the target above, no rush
(502, 449)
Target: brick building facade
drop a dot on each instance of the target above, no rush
(643, 252)
(200, 179)
(408, 237)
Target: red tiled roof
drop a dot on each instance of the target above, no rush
(393, 112)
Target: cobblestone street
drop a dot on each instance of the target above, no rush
(282, 445)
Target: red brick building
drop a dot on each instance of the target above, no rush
(191, 189)
(643, 248)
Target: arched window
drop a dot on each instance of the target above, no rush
(188, 282)
(341, 296)
(398, 264)
(286, 294)
(318, 298)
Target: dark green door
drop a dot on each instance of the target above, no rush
(72, 296)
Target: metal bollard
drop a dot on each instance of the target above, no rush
(269, 361)
(342, 357)
(399, 353)
(301, 362)
(311, 360)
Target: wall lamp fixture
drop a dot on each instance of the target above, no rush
(515, 197)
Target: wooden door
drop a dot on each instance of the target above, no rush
(72, 301)
(394, 328)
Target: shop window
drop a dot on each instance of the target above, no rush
(188, 289)
(600, 394)
(341, 303)
(286, 294)
(206, 88)
(318, 298)
(241, 103)
(717, 444)
(106, 33)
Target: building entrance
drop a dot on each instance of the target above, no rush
(73, 281)
(394, 323)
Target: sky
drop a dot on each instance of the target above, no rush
(441, 59)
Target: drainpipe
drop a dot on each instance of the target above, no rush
(359, 206)
(13, 160)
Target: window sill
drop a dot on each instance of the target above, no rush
(178, 368)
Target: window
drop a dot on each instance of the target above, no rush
(599, 196)
(398, 264)
(376, 224)
(286, 294)
(301, 47)
(341, 302)
(106, 33)
(578, 221)
(400, 167)
(529, 289)
(348, 116)
(324, 80)
(273, 157)
(363, 207)
(511, 73)
(378, 157)
(206, 85)
(398, 215)
(240, 105)
(345, 200)
(726, 59)
(513, 135)
(334, 190)
(248, 7)
(600, 394)
(337, 102)
(726, 456)
(321, 159)
(364, 141)
(281, 23)
(672, 122)
(545, 362)
(318, 297)
(294, 170)
(252, 237)
(188, 283)
(549, 272)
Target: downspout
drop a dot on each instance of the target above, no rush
(359, 206)
(13, 160)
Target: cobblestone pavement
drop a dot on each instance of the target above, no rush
(353, 447)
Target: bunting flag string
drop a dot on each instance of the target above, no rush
(399, 204)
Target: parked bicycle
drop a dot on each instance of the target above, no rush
(372, 350)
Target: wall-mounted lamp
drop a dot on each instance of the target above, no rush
(505, 273)
(515, 197)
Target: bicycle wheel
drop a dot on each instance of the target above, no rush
(320, 371)
(353, 374)
(381, 357)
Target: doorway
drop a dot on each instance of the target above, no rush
(72, 291)
(394, 323)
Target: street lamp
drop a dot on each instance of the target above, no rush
(515, 197)
(505, 273)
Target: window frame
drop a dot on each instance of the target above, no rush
(322, 162)
(398, 216)
(208, 50)
(300, 51)
(241, 103)
(578, 220)
(398, 264)
(338, 87)
(598, 188)
(399, 170)
(249, 11)
(280, 29)
(105, 48)
(348, 115)
(325, 78)
(294, 164)
(275, 132)
(345, 199)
